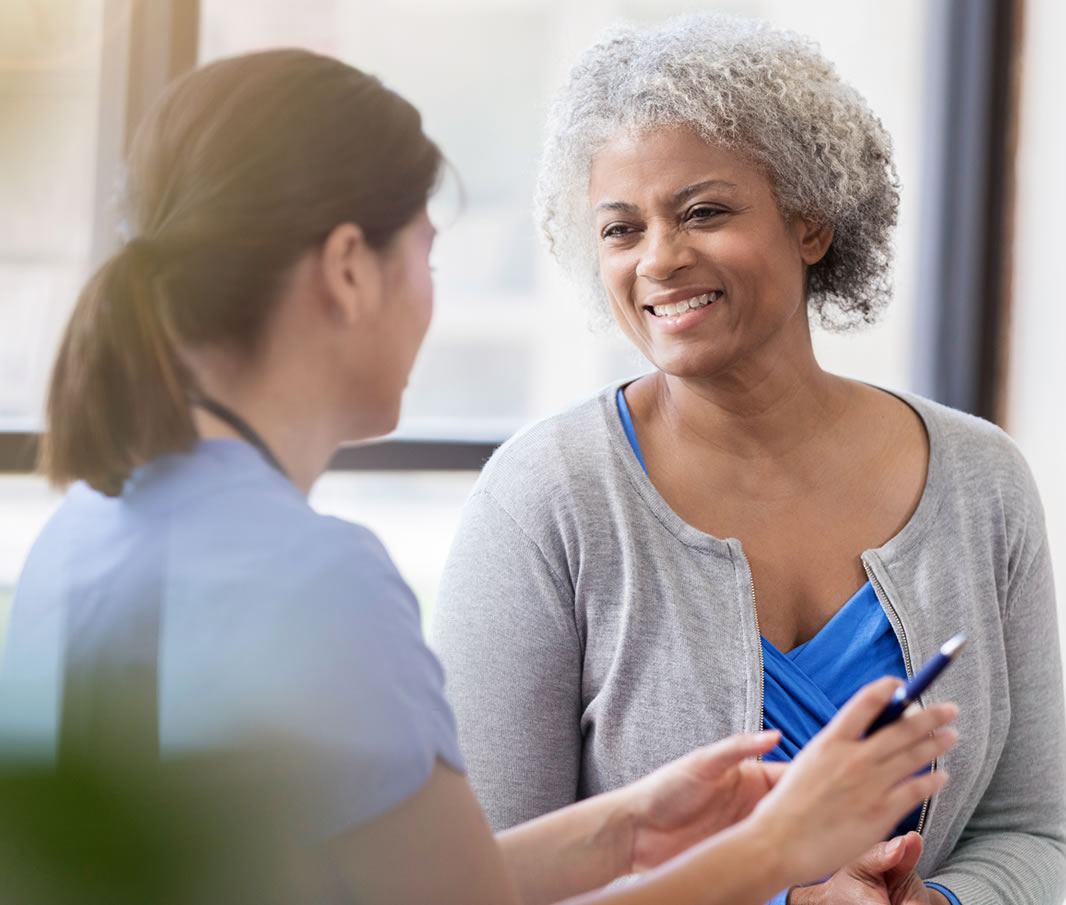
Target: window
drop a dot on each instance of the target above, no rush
(50, 88)
(509, 342)
(49, 112)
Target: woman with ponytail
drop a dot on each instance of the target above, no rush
(268, 308)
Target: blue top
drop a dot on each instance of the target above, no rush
(804, 688)
(273, 619)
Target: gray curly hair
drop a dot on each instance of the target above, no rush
(769, 95)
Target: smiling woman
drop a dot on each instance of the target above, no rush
(740, 539)
(663, 248)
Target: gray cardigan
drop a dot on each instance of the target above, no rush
(590, 635)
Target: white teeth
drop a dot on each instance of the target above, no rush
(688, 304)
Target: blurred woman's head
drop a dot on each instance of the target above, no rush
(278, 196)
(768, 97)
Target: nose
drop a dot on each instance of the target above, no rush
(666, 251)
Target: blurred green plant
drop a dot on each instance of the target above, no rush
(111, 824)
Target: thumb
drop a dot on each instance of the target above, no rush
(884, 856)
(911, 852)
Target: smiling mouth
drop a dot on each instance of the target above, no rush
(672, 310)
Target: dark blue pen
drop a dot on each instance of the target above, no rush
(907, 694)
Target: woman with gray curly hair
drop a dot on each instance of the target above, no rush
(740, 539)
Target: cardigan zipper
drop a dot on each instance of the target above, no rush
(897, 625)
(758, 647)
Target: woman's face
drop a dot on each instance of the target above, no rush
(387, 346)
(703, 272)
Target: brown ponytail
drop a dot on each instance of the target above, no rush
(238, 170)
(116, 397)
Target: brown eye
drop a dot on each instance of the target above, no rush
(703, 212)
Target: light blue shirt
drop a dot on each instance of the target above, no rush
(273, 619)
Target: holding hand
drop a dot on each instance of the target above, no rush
(699, 795)
(845, 791)
(884, 875)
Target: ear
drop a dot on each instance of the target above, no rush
(351, 274)
(814, 239)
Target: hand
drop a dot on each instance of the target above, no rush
(698, 795)
(884, 875)
(845, 791)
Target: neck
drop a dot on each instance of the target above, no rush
(299, 436)
(773, 415)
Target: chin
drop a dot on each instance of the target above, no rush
(689, 368)
(386, 422)
(371, 424)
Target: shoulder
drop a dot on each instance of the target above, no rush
(959, 430)
(560, 438)
(976, 451)
(566, 458)
(227, 512)
(982, 475)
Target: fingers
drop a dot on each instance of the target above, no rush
(920, 753)
(857, 714)
(910, 793)
(722, 755)
(887, 742)
(774, 770)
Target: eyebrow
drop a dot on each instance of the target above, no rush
(623, 207)
(689, 190)
(682, 194)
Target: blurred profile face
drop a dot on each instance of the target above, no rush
(702, 270)
(405, 314)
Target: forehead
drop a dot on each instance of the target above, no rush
(635, 167)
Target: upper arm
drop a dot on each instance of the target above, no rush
(504, 628)
(327, 655)
(1014, 843)
(433, 847)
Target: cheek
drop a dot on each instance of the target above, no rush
(617, 274)
(418, 291)
(424, 288)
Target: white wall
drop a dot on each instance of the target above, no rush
(1037, 376)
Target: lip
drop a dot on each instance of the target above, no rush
(673, 296)
(678, 323)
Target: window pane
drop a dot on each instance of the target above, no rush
(509, 341)
(49, 107)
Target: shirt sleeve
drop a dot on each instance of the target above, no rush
(338, 666)
(513, 658)
(945, 892)
(1013, 848)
